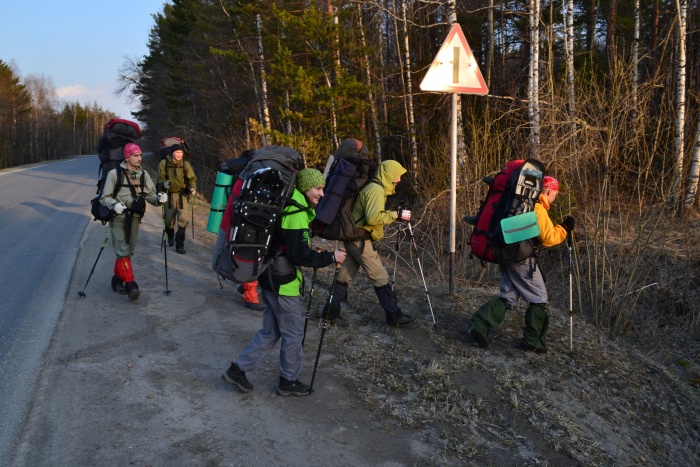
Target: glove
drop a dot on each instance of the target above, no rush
(568, 223)
(193, 191)
(166, 184)
(404, 214)
(162, 198)
(119, 208)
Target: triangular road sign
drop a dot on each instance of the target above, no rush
(454, 68)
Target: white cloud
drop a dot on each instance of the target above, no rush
(74, 91)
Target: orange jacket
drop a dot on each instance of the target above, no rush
(550, 234)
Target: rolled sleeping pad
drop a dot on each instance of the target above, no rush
(218, 201)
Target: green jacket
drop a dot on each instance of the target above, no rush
(369, 210)
(179, 173)
(295, 244)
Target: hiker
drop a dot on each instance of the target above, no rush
(371, 216)
(524, 279)
(129, 206)
(176, 177)
(281, 286)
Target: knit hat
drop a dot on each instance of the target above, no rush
(131, 149)
(309, 178)
(177, 147)
(551, 183)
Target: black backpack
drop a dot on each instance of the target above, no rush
(506, 225)
(245, 248)
(110, 151)
(350, 171)
(104, 214)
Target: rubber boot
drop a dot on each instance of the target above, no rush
(250, 296)
(388, 301)
(180, 240)
(488, 317)
(171, 236)
(331, 311)
(118, 285)
(536, 325)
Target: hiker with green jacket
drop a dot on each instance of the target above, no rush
(129, 206)
(177, 178)
(283, 318)
(524, 279)
(370, 214)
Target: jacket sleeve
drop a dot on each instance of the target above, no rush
(550, 234)
(149, 190)
(297, 250)
(161, 172)
(106, 199)
(191, 177)
(374, 207)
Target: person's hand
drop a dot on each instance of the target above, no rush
(166, 184)
(119, 208)
(193, 191)
(162, 198)
(568, 223)
(404, 214)
(339, 256)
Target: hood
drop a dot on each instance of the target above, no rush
(387, 173)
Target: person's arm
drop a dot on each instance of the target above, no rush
(106, 199)
(550, 234)
(149, 190)
(161, 172)
(299, 253)
(374, 207)
(191, 177)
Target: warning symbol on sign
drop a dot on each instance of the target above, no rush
(454, 68)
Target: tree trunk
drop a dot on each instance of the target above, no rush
(370, 94)
(534, 78)
(569, 51)
(635, 64)
(263, 80)
(682, 9)
(409, 97)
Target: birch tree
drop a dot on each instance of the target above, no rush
(263, 78)
(409, 93)
(533, 91)
(370, 94)
(681, 9)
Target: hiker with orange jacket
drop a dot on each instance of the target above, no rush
(524, 279)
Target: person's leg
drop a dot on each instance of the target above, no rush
(536, 325)
(487, 318)
(170, 217)
(250, 296)
(265, 339)
(340, 293)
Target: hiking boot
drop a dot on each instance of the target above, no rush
(118, 285)
(236, 377)
(331, 313)
(180, 249)
(525, 347)
(171, 236)
(180, 240)
(255, 306)
(477, 337)
(398, 318)
(132, 290)
(240, 289)
(292, 388)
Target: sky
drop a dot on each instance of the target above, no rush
(79, 44)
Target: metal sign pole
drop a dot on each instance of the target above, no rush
(453, 191)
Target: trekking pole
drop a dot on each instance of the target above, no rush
(420, 268)
(192, 206)
(325, 324)
(82, 293)
(569, 240)
(165, 253)
(308, 305)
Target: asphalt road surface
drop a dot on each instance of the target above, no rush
(42, 220)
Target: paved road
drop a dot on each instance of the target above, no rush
(43, 214)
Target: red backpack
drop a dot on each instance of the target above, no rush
(514, 191)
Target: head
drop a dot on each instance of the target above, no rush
(550, 188)
(132, 156)
(310, 182)
(177, 151)
(389, 173)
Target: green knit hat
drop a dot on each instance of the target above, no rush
(309, 178)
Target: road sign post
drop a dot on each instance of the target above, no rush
(456, 71)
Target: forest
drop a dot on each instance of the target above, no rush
(603, 92)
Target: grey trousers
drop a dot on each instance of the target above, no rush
(522, 280)
(283, 318)
(121, 248)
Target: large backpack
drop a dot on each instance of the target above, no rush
(166, 146)
(506, 225)
(110, 151)
(349, 173)
(245, 243)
